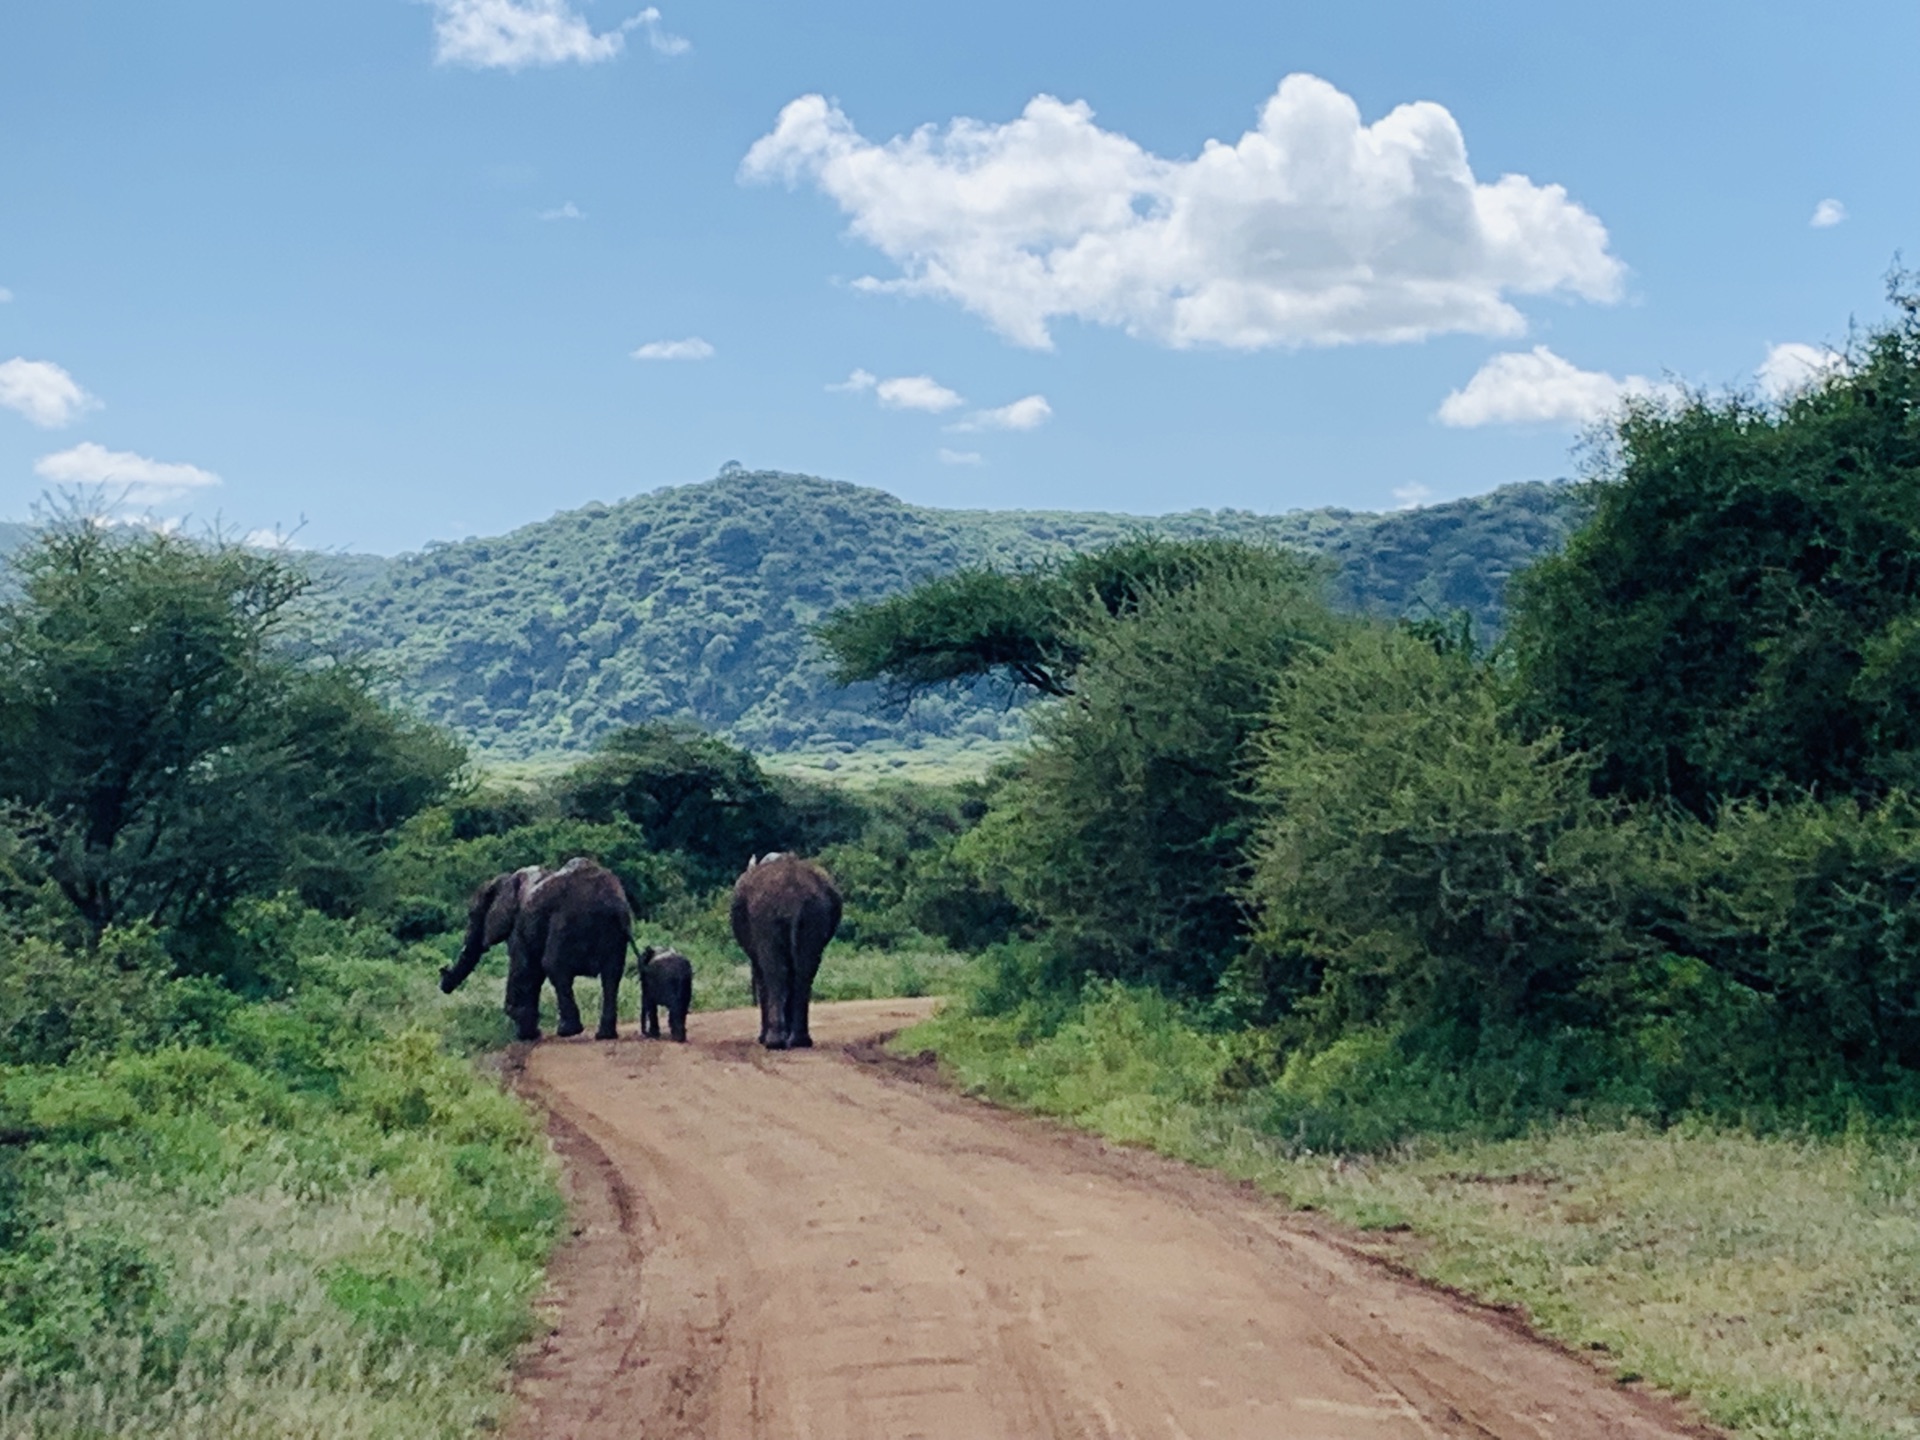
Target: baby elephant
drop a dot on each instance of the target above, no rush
(666, 978)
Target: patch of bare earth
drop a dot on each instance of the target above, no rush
(816, 1244)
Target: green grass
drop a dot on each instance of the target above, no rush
(1774, 1279)
(938, 760)
(320, 1219)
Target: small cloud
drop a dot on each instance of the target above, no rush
(6, 296)
(1411, 497)
(662, 43)
(691, 348)
(917, 392)
(568, 211)
(1029, 413)
(1537, 387)
(1792, 367)
(512, 34)
(139, 480)
(1827, 214)
(43, 392)
(959, 457)
(271, 538)
(856, 382)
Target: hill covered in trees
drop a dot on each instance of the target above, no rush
(696, 602)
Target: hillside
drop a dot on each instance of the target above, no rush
(694, 601)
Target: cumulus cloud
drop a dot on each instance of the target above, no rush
(1311, 229)
(1029, 413)
(43, 392)
(1793, 367)
(691, 348)
(1537, 387)
(1827, 214)
(959, 457)
(134, 478)
(568, 211)
(856, 382)
(917, 392)
(513, 34)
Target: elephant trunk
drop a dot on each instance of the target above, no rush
(452, 975)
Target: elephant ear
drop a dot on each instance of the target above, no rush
(502, 897)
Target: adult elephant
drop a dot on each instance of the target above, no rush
(559, 925)
(785, 910)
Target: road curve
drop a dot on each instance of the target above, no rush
(812, 1244)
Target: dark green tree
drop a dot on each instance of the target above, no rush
(1741, 614)
(172, 746)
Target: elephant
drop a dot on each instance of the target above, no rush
(558, 925)
(666, 978)
(785, 910)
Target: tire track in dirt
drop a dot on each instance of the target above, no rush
(813, 1244)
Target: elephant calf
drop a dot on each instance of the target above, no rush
(666, 978)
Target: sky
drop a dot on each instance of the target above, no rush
(378, 273)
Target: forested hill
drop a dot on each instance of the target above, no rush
(694, 602)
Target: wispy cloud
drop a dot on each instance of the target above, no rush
(43, 392)
(1793, 367)
(513, 34)
(1537, 387)
(1411, 497)
(662, 43)
(139, 480)
(568, 211)
(856, 382)
(1312, 228)
(1827, 214)
(1029, 413)
(959, 457)
(917, 392)
(691, 348)
(6, 296)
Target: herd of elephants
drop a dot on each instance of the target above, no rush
(564, 924)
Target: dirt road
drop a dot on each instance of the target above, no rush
(813, 1244)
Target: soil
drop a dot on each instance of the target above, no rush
(822, 1244)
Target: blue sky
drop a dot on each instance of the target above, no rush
(384, 265)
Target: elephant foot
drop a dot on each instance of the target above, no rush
(569, 1029)
(801, 1042)
(680, 1036)
(526, 1035)
(606, 1032)
(774, 1042)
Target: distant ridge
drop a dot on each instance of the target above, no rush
(694, 602)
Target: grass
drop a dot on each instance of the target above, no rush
(1775, 1279)
(318, 1218)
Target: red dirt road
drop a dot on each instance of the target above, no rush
(813, 1244)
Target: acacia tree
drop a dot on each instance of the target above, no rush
(169, 740)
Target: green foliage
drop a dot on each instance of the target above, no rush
(1123, 832)
(1739, 616)
(696, 603)
(174, 753)
(1420, 866)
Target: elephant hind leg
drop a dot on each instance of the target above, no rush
(523, 997)
(610, 1001)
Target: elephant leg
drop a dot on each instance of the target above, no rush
(799, 1035)
(569, 1008)
(776, 1017)
(677, 1019)
(523, 995)
(610, 1001)
(649, 1012)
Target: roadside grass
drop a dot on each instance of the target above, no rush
(1773, 1278)
(317, 1217)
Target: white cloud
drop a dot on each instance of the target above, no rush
(662, 43)
(512, 34)
(1029, 413)
(568, 211)
(1535, 387)
(272, 538)
(856, 382)
(917, 392)
(138, 480)
(959, 457)
(1312, 229)
(691, 348)
(1827, 214)
(43, 392)
(6, 296)
(1793, 367)
(1411, 497)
